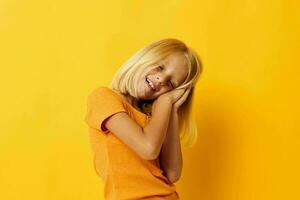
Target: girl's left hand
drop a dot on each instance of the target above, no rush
(182, 99)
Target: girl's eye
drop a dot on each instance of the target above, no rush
(161, 68)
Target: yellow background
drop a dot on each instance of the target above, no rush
(53, 53)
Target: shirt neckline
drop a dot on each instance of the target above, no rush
(133, 108)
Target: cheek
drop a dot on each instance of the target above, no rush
(164, 91)
(168, 89)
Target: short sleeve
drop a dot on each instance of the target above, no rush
(102, 103)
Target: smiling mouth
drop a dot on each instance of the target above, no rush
(150, 84)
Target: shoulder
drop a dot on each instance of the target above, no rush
(102, 89)
(104, 92)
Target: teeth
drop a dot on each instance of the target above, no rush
(150, 83)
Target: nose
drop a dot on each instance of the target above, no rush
(160, 80)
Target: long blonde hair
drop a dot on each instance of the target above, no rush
(126, 79)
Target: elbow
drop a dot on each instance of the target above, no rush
(173, 177)
(151, 153)
(174, 174)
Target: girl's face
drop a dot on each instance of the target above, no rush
(162, 77)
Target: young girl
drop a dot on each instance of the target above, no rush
(136, 123)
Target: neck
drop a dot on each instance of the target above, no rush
(133, 101)
(142, 106)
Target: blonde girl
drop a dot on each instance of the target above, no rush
(136, 124)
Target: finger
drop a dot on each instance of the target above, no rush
(183, 98)
(186, 95)
(181, 91)
(187, 92)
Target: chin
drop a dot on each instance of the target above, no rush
(145, 98)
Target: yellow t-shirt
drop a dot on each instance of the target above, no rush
(125, 174)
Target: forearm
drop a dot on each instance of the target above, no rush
(156, 129)
(171, 155)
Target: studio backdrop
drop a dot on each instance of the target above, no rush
(53, 53)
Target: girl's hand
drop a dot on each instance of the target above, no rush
(182, 99)
(173, 95)
(176, 97)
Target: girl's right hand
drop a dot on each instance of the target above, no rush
(174, 94)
